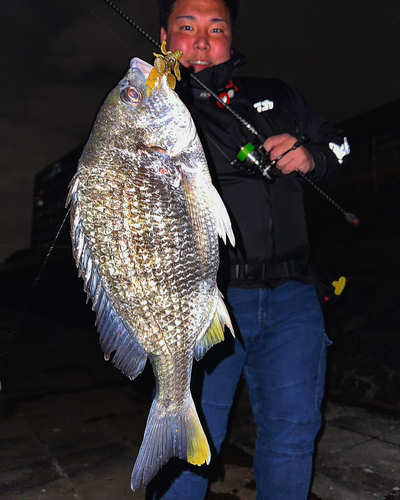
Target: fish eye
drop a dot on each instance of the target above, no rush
(130, 95)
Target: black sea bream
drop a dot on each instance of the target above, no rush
(145, 221)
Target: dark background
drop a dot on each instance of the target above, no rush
(60, 59)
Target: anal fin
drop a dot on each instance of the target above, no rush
(215, 332)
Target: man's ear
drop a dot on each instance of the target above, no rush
(163, 35)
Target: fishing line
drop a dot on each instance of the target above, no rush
(39, 275)
(41, 270)
(105, 25)
(132, 23)
(30, 293)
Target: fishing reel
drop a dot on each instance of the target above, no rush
(254, 159)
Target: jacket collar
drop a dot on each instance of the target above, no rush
(215, 78)
(218, 76)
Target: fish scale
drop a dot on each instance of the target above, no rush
(145, 221)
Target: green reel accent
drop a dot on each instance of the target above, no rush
(245, 151)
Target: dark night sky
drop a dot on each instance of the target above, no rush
(60, 59)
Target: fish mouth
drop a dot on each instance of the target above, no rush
(142, 66)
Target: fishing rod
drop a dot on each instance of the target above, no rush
(250, 157)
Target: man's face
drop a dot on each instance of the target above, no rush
(202, 30)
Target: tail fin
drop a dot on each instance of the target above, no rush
(169, 436)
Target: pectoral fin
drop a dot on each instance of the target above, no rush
(222, 219)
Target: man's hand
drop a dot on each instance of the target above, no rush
(298, 159)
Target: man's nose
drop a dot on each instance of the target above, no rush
(201, 41)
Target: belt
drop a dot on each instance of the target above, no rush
(267, 271)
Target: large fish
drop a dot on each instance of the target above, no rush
(145, 221)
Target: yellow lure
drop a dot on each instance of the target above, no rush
(164, 64)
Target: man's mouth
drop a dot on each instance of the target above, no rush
(199, 62)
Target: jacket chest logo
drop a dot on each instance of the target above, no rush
(265, 105)
(227, 94)
(340, 151)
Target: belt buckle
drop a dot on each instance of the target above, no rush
(252, 273)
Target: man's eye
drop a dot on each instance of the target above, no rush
(186, 28)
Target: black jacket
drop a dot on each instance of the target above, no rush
(268, 219)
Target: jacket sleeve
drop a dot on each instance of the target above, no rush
(327, 144)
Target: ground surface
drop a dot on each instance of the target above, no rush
(71, 425)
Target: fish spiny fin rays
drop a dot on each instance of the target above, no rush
(73, 186)
(215, 333)
(169, 436)
(114, 335)
(223, 223)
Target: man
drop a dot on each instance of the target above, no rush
(281, 344)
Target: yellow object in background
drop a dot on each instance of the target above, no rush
(339, 285)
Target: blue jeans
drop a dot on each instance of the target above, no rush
(281, 350)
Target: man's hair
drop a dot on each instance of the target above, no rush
(165, 9)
